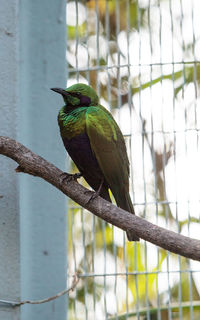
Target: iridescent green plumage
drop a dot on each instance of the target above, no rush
(95, 143)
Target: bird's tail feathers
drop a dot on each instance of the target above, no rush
(123, 200)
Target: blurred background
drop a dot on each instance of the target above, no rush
(143, 58)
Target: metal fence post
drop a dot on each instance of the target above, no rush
(33, 248)
(42, 208)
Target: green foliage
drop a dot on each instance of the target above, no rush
(186, 76)
(77, 31)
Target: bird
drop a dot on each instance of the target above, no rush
(95, 143)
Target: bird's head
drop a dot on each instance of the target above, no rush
(78, 95)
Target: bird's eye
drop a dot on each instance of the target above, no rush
(76, 94)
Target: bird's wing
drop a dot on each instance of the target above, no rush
(108, 146)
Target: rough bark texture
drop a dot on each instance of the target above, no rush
(35, 165)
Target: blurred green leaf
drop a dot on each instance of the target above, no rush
(74, 32)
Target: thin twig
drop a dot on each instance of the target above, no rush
(16, 304)
(74, 284)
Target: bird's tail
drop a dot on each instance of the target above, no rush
(124, 201)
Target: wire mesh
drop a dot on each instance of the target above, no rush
(143, 58)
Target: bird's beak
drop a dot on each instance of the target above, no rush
(61, 91)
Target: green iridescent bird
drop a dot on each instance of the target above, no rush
(96, 145)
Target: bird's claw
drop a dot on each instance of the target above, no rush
(96, 193)
(70, 177)
(93, 196)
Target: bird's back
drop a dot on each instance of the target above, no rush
(92, 133)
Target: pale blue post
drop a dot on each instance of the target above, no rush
(9, 205)
(33, 231)
(42, 207)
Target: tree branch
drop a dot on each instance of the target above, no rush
(35, 165)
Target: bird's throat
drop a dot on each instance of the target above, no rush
(68, 108)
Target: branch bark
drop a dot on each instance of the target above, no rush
(35, 165)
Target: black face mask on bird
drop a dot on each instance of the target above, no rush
(73, 99)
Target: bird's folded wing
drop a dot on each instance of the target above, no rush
(108, 146)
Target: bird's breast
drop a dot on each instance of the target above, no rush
(72, 124)
(81, 153)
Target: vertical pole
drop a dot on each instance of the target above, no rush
(42, 207)
(9, 208)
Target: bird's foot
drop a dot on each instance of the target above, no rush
(67, 177)
(93, 195)
(96, 193)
